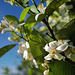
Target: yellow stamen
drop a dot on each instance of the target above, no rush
(52, 52)
(61, 40)
(4, 18)
(10, 23)
(5, 0)
(29, 58)
(60, 7)
(39, 6)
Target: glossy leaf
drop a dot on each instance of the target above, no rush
(67, 31)
(11, 18)
(24, 13)
(5, 49)
(39, 17)
(53, 6)
(37, 42)
(61, 68)
(32, 18)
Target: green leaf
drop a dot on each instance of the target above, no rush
(28, 28)
(67, 31)
(33, 9)
(37, 42)
(53, 6)
(11, 18)
(31, 19)
(61, 68)
(24, 13)
(5, 49)
(39, 17)
(30, 22)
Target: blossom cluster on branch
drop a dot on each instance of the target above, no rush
(39, 35)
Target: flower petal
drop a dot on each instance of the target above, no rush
(53, 44)
(62, 47)
(20, 25)
(5, 30)
(58, 56)
(36, 17)
(5, 23)
(27, 45)
(47, 48)
(25, 54)
(35, 63)
(46, 72)
(48, 57)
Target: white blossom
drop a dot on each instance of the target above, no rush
(55, 48)
(41, 8)
(11, 26)
(46, 72)
(25, 51)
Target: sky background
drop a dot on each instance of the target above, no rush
(11, 59)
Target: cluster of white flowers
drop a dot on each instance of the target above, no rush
(56, 48)
(41, 8)
(11, 26)
(25, 51)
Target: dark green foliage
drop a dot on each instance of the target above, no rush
(67, 31)
(61, 68)
(37, 43)
(5, 49)
(53, 6)
(11, 18)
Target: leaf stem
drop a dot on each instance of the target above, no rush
(30, 12)
(20, 36)
(35, 5)
(51, 31)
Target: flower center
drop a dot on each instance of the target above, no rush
(61, 40)
(4, 18)
(10, 23)
(52, 52)
(29, 58)
(39, 6)
(61, 8)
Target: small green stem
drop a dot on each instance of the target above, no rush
(20, 36)
(30, 12)
(51, 31)
(35, 5)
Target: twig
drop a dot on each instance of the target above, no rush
(20, 36)
(51, 31)
(30, 12)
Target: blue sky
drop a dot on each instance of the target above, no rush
(11, 58)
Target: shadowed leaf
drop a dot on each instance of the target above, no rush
(5, 49)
